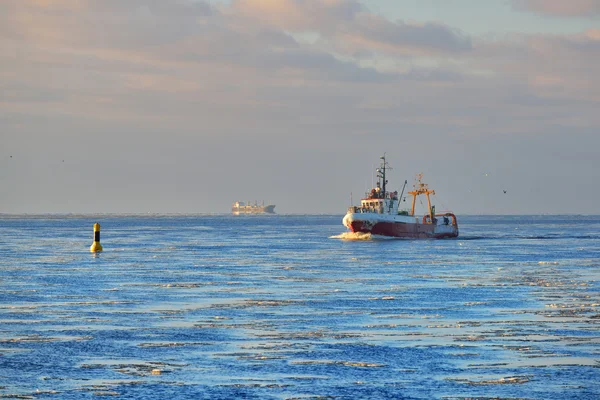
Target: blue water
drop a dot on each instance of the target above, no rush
(287, 307)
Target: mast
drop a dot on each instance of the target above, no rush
(383, 174)
(382, 181)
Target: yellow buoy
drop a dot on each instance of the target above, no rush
(96, 246)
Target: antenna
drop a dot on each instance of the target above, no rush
(381, 173)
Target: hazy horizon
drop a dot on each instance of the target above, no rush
(225, 214)
(186, 106)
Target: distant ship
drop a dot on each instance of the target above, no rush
(378, 213)
(239, 207)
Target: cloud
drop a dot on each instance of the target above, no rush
(299, 15)
(375, 32)
(351, 28)
(146, 61)
(560, 8)
(552, 66)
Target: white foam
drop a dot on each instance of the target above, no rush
(352, 236)
(361, 236)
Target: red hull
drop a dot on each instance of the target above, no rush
(403, 230)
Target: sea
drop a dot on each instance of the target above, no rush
(296, 307)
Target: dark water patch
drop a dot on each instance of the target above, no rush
(22, 396)
(485, 398)
(511, 380)
(468, 238)
(560, 237)
(174, 344)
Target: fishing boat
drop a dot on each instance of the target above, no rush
(240, 207)
(379, 213)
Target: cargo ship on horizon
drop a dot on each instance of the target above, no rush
(240, 207)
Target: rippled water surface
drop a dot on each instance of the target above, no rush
(289, 307)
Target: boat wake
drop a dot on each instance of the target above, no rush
(352, 236)
(361, 236)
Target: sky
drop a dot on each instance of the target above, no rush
(186, 106)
